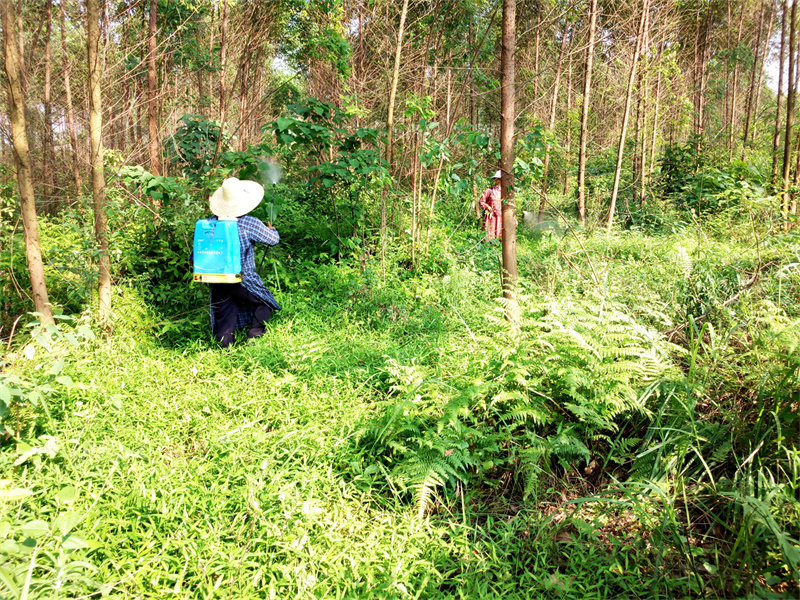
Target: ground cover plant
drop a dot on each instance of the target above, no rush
(637, 438)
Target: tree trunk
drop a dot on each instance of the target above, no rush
(98, 177)
(704, 55)
(625, 116)
(568, 142)
(790, 98)
(393, 88)
(644, 98)
(755, 71)
(152, 92)
(777, 134)
(764, 55)
(734, 92)
(552, 120)
(73, 138)
(655, 118)
(587, 89)
(507, 114)
(47, 139)
(22, 159)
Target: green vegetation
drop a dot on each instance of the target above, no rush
(396, 439)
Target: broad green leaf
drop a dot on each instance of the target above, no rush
(14, 494)
(67, 494)
(35, 529)
(74, 542)
(65, 380)
(65, 522)
(283, 123)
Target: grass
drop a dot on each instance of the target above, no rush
(184, 471)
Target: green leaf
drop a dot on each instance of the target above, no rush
(74, 542)
(14, 494)
(65, 522)
(67, 494)
(283, 123)
(65, 380)
(35, 529)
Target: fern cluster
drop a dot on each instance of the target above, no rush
(578, 368)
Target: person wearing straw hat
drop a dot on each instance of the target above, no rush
(492, 205)
(249, 303)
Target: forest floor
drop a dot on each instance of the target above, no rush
(166, 467)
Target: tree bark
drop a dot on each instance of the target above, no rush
(587, 89)
(755, 71)
(152, 92)
(777, 133)
(47, 138)
(552, 120)
(22, 159)
(393, 88)
(98, 177)
(655, 118)
(790, 99)
(507, 113)
(734, 92)
(568, 142)
(73, 138)
(223, 92)
(765, 53)
(625, 116)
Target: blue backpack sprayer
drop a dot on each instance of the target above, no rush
(216, 247)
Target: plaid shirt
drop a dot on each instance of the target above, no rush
(252, 232)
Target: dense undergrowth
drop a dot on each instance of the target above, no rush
(391, 437)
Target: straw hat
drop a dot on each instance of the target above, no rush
(236, 198)
(498, 175)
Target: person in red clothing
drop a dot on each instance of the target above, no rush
(492, 204)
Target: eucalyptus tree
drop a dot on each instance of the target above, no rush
(21, 150)
(507, 117)
(644, 13)
(94, 58)
(152, 90)
(587, 89)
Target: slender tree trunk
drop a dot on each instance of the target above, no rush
(790, 98)
(98, 177)
(764, 55)
(22, 159)
(471, 75)
(73, 138)
(755, 71)
(587, 89)
(735, 91)
(777, 133)
(152, 92)
(625, 116)
(47, 150)
(568, 142)
(701, 116)
(390, 126)
(393, 88)
(644, 98)
(507, 113)
(655, 118)
(725, 108)
(552, 120)
(537, 43)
